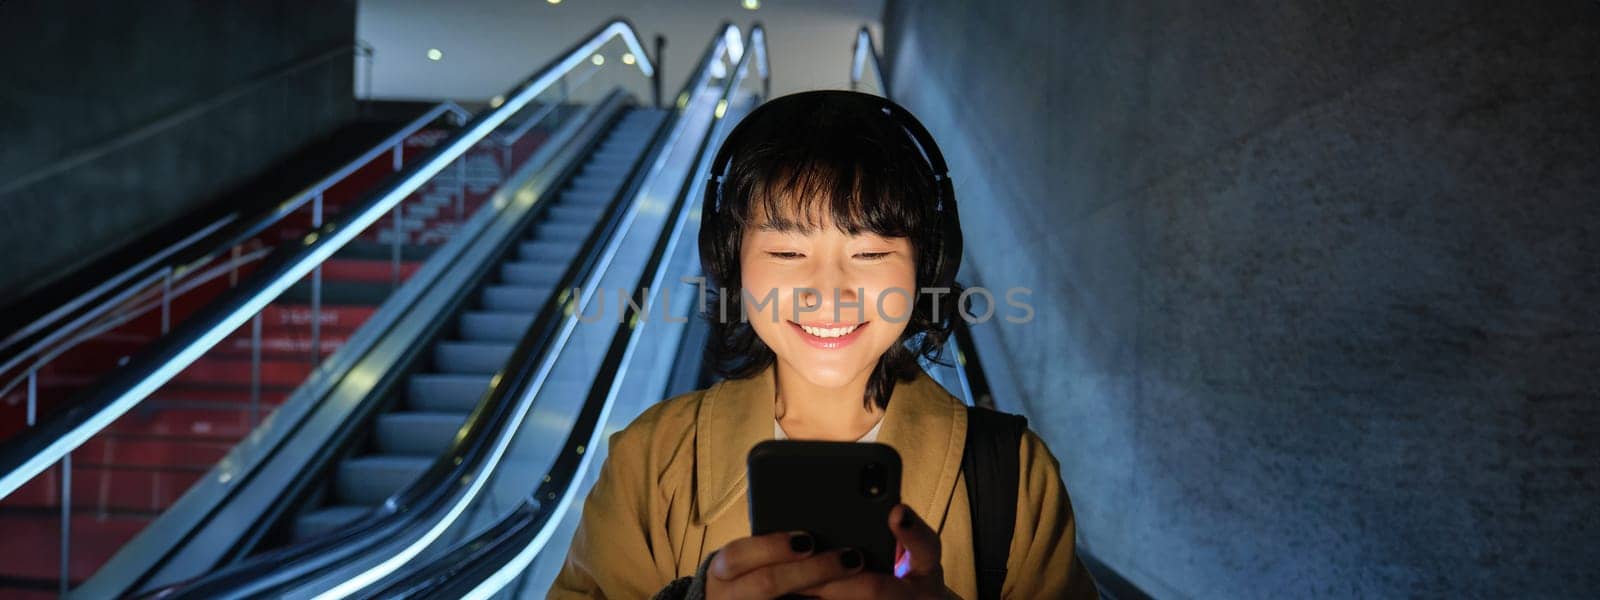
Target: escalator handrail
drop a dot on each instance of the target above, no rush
(34, 450)
(863, 54)
(483, 565)
(112, 302)
(453, 480)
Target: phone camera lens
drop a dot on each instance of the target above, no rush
(873, 480)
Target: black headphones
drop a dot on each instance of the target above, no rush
(948, 255)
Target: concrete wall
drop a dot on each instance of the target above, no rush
(79, 75)
(1316, 281)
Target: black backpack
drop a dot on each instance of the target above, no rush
(990, 464)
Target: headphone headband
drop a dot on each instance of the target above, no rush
(919, 136)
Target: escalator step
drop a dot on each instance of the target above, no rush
(559, 232)
(552, 251)
(486, 326)
(445, 392)
(587, 196)
(573, 213)
(604, 169)
(322, 520)
(541, 274)
(417, 433)
(369, 480)
(515, 298)
(597, 181)
(479, 358)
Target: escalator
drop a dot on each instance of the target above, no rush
(437, 398)
(540, 372)
(375, 337)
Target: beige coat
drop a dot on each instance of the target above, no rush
(672, 491)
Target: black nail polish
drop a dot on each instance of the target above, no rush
(850, 559)
(801, 543)
(905, 518)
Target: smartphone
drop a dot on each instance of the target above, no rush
(839, 492)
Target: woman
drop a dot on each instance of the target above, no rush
(829, 236)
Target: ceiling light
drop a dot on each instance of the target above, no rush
(598, 60)
(627, 58)
(435, 54)
(752, 4)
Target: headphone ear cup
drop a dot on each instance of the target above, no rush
(951, 223)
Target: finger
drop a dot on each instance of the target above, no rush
(865, 585)
(918, 539)
(744, 555)
(789, 577)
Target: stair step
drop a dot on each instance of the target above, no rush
(479, 358)
(572, 213)
(487, 326)
(561, 232)
(548, 250)
(587, 198)
(445, 392)
(538, 274)
(422, 434)
(515, 298)
(369, 480)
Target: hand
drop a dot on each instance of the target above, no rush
(918, 573)
(771, 565)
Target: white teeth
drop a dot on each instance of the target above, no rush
(831, 332)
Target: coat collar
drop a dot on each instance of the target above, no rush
(924, 423)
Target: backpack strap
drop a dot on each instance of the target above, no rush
(989, 462)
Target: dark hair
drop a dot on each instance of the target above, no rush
(851, 156)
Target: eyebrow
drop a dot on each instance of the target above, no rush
(786, 226)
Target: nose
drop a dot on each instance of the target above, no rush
(831, 297)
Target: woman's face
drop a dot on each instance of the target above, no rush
(828, 303)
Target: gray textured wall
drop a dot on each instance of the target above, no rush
(79, 74)
(1317, 281)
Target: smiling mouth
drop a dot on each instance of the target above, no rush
(829, 335)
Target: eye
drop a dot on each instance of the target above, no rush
(872, 255)
(786, 255)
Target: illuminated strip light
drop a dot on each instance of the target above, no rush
(860, 55)
(546, 366)
(515, 567)
(758, 40)
(318, 254)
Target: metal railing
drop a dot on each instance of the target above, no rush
(157, 281)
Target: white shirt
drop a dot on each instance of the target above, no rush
(871, 436)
